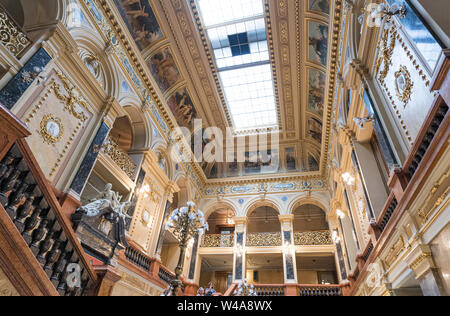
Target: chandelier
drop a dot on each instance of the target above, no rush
(244, 289)
(186, 224)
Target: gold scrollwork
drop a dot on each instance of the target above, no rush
(313, 238)
(403, 85)
(51, 129)
(11, 36)
(120, 157)
(264, 239)
(217, 241)
(71, 99)
(386, 51)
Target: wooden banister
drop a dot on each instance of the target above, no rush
(38, 247)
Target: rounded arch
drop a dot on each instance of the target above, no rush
(185, 193)
(91, 46)
(164, 159)
(210, 208)
(253, 205)
(321, 203)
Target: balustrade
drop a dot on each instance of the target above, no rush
(120, 157)
(165, 275)
(313, 238)
(217, 241)
(264, 239)
(138, 258)
(26, 198)
(320, 290)
(270, 290)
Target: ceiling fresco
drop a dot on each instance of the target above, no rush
(251, 65)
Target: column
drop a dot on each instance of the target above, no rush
(239, 257)
(289, 260)
(172, 187)
(420, 260)
(373, 182)
(105, 123)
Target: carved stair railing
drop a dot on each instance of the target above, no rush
(39, 250)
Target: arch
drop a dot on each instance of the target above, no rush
(92, 45)
(321, 203)
(210, 208)
(184, 194)
(263, 202)
(309, 217)
(161, 152)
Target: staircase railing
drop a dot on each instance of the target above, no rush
(42, 235)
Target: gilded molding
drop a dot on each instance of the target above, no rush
(402, 76)
(51, 129)
(420, 259)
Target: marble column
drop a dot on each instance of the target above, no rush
(87, 165)
(289, 260)
(373, 182)
(239, 256)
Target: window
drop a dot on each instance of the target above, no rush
(237, 32)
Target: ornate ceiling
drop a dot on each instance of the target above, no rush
(302, 46)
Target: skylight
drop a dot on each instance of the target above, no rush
(237, 32)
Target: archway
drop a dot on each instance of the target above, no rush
(309, 217)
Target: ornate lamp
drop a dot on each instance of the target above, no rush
(383, 11)
(185, 223)
(244, 289)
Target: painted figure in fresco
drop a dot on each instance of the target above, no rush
(316, 91)
(184, 111)
(315, 129)
(141, 21)
(164, 69)
(319, 43)
(290, 159)
(320, 5)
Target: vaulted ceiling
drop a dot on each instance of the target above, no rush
(199, 66)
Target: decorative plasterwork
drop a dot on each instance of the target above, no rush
(127, 57)
(403, 85)
(124, 51)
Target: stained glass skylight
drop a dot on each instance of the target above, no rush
(237, 32)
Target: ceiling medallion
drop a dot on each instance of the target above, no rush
(51, 129)
(403, 85)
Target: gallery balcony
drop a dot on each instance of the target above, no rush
(217, 241)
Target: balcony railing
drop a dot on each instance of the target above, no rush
(320, 290)
(12, 37)
(120, 157)
(217, 241)
(264, 239)
(270, 290)
(302, 290)
(313, 238)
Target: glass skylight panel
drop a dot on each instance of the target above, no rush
(216, 12)
(237, 32)
(250, 96)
